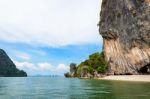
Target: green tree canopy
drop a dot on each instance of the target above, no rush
(96, 62)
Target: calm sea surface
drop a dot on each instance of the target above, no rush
(63, 88)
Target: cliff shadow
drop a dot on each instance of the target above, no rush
(145, 69)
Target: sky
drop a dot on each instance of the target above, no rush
(43, 37)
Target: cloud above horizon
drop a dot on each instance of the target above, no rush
(51, 23)
(44, 36)
(42, 68)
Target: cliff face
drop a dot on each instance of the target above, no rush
(8, 68)
(125, 28)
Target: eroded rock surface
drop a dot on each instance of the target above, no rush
(125, 28)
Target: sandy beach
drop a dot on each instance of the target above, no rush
(143, 78)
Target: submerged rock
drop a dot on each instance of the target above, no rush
(125, 28)
(8, 68)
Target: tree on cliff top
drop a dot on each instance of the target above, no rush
(96, 62)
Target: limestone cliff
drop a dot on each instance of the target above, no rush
(125, 28)
(8, 68)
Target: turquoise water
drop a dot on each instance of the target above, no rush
(63, 88)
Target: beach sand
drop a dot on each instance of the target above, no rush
(143, 78)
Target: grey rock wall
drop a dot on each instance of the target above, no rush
(125, 28)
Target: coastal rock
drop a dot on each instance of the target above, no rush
(73, 69)
(125, 28)
(85, 72)
(8, 68)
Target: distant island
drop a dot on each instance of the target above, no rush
(8, 68)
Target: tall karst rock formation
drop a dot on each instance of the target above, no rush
(125, 28)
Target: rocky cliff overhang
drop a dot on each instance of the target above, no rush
(125, 28)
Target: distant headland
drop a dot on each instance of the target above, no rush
(8, 68)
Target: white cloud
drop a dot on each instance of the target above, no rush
(25, 65)
(51, 23)
(42, 68)
(45, 67)
(62, 67)
(22, 55)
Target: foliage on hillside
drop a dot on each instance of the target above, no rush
(96, 62)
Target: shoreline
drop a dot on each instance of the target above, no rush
(137, 78)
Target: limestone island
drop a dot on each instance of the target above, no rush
(125, 28)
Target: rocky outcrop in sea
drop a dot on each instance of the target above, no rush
(73, 69)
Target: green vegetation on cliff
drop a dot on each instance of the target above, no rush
(95, 63)
(94, 66)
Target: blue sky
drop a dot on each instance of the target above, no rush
(43, 37)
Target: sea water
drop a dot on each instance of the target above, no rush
(73, 88)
